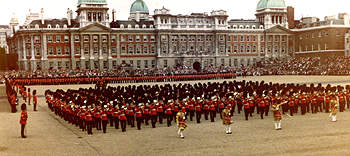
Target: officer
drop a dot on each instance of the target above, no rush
(35, 100)
(23, 120)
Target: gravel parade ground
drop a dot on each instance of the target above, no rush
(48, 134)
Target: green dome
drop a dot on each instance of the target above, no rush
(92, 1)
(264, 4)
(139, 5)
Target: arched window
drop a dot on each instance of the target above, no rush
(234, 26)
(129, 26)
(247, 27)
(122, 26)
(65, 26)
(57, 26)
(137, 26)
(36, 26)
(49, 26)
(241, 27)
(144, 26)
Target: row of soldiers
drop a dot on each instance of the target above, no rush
(88, 108)
(121, 79)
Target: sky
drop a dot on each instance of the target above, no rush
(237, 9)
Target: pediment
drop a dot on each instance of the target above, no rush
(278, 29)
(95, 27)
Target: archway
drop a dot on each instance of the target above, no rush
(197, 66)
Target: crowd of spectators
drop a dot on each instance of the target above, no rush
(337, 65)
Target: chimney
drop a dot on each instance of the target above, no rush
(69, 16)
(137, 16)
(42, 16)
(113, 15)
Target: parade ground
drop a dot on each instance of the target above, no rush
(311, 134)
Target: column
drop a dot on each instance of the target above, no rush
(25, 54)
(118, 49)
(110, 58)
(280, 48)
(72, 52)
(100, 51)
(287, 47)
(20, 58)
(258, 46)
(82, 55)
(273, 46)
(44, 52)
(91, 53)
(32, 60)
(158, 51)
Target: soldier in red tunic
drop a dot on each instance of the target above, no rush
(169, 115)
(29, 96)
(23, 120)
(122, 118)
(35, 100)
(139, 117)
(89, 122)
(104, 119)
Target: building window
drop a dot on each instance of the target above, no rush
(86, 50)
(58, 50)
(262, 38)
(254, 48)
(113, 38)
(165, 63)
(50, 50)
(104, 38)
(152, 38)
(95, 50)
(145, 49)
(122, 38)
(123, 49)
(228, 38)
(248, 38)
(77, 64)
(138, 39)
(242, 48)
(67, 65)
(66, 50)
(58, 38)
(235, 38)
(235, 49)
(248, 49)
(229, 49)
(146, 63)
(138, 49)
(49, 38)
(138, 63)
(59, 64)
(86, 39)
(131, 50)
(114, 51)
(242, 38)
(105, 65)
(96, 65)
(130, 38)
(95, 38)
(77, 51)
(153, 63)
(114, 64)
(131, 62)
(145, 38)
(104, 50)
(37, 51)
(66, 38)
(222, 62)
(254, 38)
(37, 39)
(77, 38)
(153, 49)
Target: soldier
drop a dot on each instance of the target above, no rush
(262, 108)
(198, 112)
(246, 108)
(104, 119)
(89, 122)
(115, 117)
(206, 110)
(334, 108)
(35, 100)
(97, 116)
(122, 118)
(23, 120)
(277, 115)
(181, 122)
(212, 112)
(139, 117)
(169, 116)
(153, 117)
(226, 119)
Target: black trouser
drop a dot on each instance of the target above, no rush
(161, 116)
(198, 116)
(35, 106)
(110, 120)
(98, 123)
(308, 107)
(291, 110)
(212, 115)
(116, 122)
(206, 114)
(246, 113)
(132, 120)
(154, 120)
(220, 110)
(104, 125)
(320, 104)
(146, 119)
(327, 107)
(267, 109)
(123, 125)
(251, 110)
(191, 114)
(169, 118)
(89, 127)
(313, 107)
(138, 122)
(239, 107)
(22, 130)
(262, 111)
(342, 106)
(174, 115)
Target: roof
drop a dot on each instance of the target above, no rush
(264, 4)
(117, 24)
(92, 1)
(139, 5)
(4, 27)
(54, 22)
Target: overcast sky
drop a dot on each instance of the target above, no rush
(236, 8)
